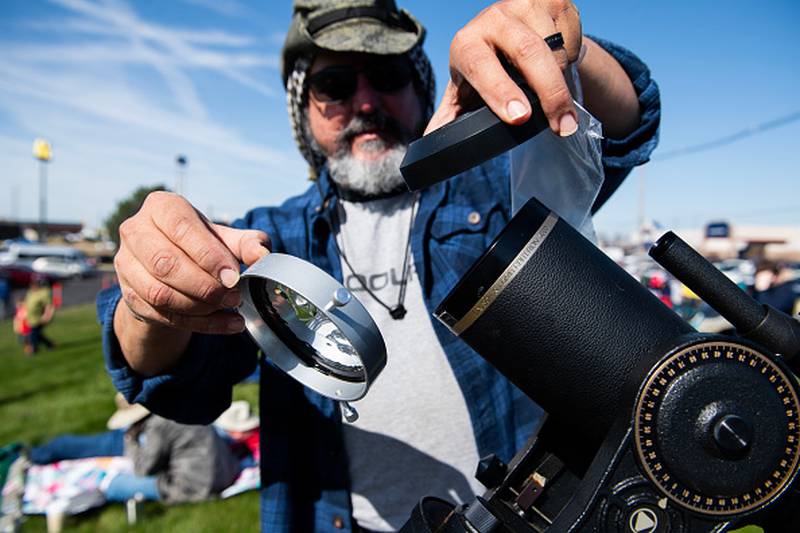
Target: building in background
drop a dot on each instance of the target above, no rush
(28, 229)
(724, 240)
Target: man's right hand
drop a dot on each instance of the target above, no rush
(177, 272)
(515, 30)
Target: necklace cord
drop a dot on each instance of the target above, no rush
(399, 311)
(404, 283)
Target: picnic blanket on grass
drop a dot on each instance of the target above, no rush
(78, 484)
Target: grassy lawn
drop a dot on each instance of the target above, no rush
(66, 390)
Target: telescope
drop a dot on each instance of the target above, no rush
(652, 426)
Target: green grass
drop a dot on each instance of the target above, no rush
(66, 390)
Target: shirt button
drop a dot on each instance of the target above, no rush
(474, 218)
(338, 522)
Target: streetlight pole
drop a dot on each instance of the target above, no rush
(180, 173)
(44, 153)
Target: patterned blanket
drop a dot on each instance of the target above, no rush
(77, 485)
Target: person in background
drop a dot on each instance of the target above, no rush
(659, 286)
(22, 328)
(172, 462)
(240, 427)
(5, 296)
(778, 285)
(765, 276)
(39, 311)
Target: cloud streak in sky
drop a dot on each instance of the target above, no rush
(80, 86)
(167, 49)
(228, 8)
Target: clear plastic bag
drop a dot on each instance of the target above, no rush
(564, 173)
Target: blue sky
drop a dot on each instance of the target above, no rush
(120, 88)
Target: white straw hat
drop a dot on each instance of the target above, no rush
(126, 414)
(238, 417)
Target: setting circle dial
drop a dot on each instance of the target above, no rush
(717, 426)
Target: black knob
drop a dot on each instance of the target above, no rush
(491, 471)
(733, 436)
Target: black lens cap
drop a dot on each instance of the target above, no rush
(469, 140)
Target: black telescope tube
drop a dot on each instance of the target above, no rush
(703, 278)
(563, 322)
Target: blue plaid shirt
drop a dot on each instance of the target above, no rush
(304, 465)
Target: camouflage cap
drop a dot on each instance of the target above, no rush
(370, 26)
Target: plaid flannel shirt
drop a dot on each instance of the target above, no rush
(304, 465)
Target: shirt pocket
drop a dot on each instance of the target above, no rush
(460, 234)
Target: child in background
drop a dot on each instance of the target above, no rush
(39, 311)
(22, 328)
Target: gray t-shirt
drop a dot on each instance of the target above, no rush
(414, 436)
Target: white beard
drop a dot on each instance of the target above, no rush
(369, 177)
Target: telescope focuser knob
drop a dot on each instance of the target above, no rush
(491, 471)
(733, 436)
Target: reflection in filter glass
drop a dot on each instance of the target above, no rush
(332, 347)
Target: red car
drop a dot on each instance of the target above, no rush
(18, 275)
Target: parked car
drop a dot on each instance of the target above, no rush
(740, 271)
(53, 261)
(63, 267)
(19, 276)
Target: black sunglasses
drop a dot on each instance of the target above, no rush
(337, 83)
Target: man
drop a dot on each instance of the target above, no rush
(778, 285)
(5, 295)
(359, 88)
(173, 463)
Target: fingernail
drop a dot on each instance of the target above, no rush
(567, 125)
(516, 109)
(232, 299)
(235, 324)
(229, 278)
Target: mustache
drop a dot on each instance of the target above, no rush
(377, 121)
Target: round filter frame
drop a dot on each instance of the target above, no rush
(311, 327)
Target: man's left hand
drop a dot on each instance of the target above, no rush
(514, 29)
